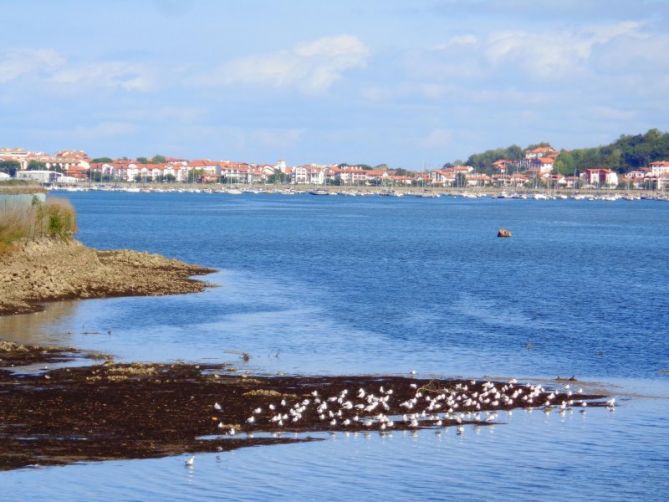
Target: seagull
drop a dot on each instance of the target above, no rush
(217, 407)
(611, 403)
(189, 461)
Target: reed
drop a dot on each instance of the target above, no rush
(55, 219)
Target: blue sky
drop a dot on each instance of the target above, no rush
(410, 83)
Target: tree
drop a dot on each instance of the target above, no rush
(484, 161)
(35, 165)
(625, 154)
(142, 160)
(538, 145)
(9, 167)
(158, 159)
(195, 175)
(278, 177)
(102, 160)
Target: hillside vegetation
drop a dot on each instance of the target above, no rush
(627, 153)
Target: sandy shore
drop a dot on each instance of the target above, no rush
(49, 270)
(120, 411)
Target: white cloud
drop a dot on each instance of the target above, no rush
(457, 41)
(557, 54)
(48, 65)
(126, 76)
(16, 63)
(311, 67)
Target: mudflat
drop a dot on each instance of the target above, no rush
(51, 269)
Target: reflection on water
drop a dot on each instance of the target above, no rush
(52, 326)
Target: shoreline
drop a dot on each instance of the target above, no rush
(396, 191)
(48, 270)
(130, 411)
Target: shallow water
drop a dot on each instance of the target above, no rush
(381, 285)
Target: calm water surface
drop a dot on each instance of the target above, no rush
(378, 285)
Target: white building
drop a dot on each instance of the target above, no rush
(39, 176)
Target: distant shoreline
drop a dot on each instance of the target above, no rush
(352, 190)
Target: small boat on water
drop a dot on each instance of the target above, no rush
(320, 192)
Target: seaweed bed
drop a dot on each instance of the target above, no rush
(120, 411)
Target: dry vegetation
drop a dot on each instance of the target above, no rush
(54, 219)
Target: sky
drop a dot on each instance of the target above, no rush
(411, 83)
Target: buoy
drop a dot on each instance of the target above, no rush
(503, 232)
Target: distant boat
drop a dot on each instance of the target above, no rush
(319, 192)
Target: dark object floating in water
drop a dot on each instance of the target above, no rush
(503, 232)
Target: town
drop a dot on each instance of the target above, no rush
(535, 169)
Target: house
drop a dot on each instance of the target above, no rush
(502, 166)
(477, 180)
(659, 167)
(540, 151)
(350, 175)
(636, 179)
(600, 176)
(233, 172)
(207, 167)
(41, 176)
(377, 176)
(308, 175)
(544, 165)
(443, 177)
(19, 155)
(400, 180)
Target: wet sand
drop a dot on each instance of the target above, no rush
(123, 411)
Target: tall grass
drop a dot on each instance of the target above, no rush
(54, 219)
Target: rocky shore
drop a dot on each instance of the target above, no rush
(61, 415)
(50, 269)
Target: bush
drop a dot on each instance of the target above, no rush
(57, 219)
(54, 219)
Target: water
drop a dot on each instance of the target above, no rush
(381, 285)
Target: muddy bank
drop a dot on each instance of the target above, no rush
(118, 411)
(49, 270)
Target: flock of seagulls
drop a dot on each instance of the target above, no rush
(377, 409)
(422, 406)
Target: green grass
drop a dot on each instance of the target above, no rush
(55, 219)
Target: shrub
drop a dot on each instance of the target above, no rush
(55, 219)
